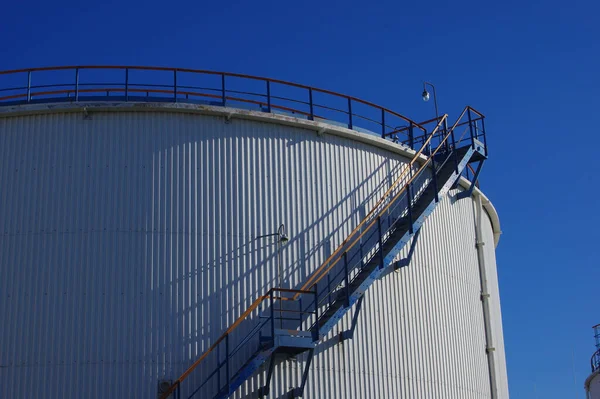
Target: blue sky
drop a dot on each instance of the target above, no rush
(530, 66)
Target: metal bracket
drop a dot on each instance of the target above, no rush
(344, 335)
(406, 261)
(264, 390)
(297, 392)
(467, 193)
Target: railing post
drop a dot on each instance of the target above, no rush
(315, 332)
(411, 137)
(455, 156)
(434, 173)
(76, 84)
(310, 104)
(223, 88)
(380, 242)
(471, 127)
(268, 96)
(329, 288)
(219, 367)
(227, 362)
(272, 315)
(126, 84)
(346, 281)
(300, 310)
(175, 85)
(484, 135)
(383, 123)
(349, 113)
(28, 86)
(410, 217)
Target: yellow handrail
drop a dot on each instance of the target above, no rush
(311, 281)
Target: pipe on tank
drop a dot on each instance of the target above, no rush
(485, 296)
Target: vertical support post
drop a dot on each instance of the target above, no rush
(329, 288)
(219, 367)
(271, 302)
(126, 84)
(28, 86)
(484, 135)
(380, 243)
(300, 310)
(346, 280)
(411, 137)
(315, 332)
(268, 96)
(175, 85)
(76, 84)
(227, 362)
(350, 114)
(223, 88)
(382, 123)
(410, 217)
(454, 151)
(434, 175)
(471, 127)
(310, 104)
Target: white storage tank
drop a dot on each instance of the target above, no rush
(138, 222)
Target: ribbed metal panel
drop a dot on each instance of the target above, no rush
(128, 246)
(495, 310)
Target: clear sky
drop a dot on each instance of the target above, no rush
(530, 66)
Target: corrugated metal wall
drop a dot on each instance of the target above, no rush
(128, 246)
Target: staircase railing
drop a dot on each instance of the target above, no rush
(274, 310)
(334, 277)
(341, 266)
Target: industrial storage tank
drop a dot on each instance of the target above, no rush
(592, 382)
(157, 224)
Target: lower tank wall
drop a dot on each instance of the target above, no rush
(129, 245)
(593, 387)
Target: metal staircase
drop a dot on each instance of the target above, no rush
(293, 321)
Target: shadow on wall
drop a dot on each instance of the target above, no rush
(140, 248)
(229, 268)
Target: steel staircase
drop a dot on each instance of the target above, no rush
(293, 321)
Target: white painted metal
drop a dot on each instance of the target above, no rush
(128, 245)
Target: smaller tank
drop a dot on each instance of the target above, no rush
(592, 383)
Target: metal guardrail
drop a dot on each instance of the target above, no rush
(401, 192)
(151, 84)
(595, 361)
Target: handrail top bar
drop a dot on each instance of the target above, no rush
(204, 71)
(291, 290)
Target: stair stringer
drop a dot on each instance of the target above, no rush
(247, 371)
(389, 258)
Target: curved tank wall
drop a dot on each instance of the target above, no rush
(592, 386)
(129, 245)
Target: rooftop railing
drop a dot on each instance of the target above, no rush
(161, 84)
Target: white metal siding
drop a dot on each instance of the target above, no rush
(128, 246)
(495, 310)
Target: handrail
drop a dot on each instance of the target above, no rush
(241, 318)
(322, 270)
(314, 279)
(126, 68)
(298, 292)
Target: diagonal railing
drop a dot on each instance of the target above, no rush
(334, 279)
